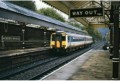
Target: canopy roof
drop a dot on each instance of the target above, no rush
(65, 6)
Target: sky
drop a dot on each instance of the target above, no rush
(39, 4)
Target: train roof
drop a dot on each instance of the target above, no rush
(78, 35)
(9, 6)
(74, 34)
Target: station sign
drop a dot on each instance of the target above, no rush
(10, 38)
(87, 12)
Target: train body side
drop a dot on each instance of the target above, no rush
(75, 40)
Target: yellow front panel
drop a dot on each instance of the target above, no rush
(63, 42)
(58, 44)
(53, 43)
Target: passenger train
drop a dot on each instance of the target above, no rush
(61, 41)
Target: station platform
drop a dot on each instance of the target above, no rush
(21, 51)
(92, 65)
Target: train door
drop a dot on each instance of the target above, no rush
(85, 41)
(69, 41)
(58, 41)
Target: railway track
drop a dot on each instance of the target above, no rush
(13, 63)
(38, 69)
(21, 59)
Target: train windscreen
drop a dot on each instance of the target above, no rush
(58, 38)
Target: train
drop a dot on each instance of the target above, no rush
(63, 42)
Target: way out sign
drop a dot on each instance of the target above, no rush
(87, 12)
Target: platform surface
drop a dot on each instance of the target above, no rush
(21, 51)
(92, 65)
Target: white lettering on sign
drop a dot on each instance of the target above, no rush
(95, 11)
(77, 13)
(86, 12)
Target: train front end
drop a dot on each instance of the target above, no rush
(58, 42)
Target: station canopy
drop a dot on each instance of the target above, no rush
(65, 7)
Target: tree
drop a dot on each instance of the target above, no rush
(94, 33)
(27, 4)
(74, 23)
(51, 13)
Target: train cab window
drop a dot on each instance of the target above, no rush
(58, 37)
(53, 37)
(63, 38)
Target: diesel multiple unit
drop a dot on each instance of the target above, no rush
(64, 42)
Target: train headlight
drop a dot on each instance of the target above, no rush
(63, 42)
(53, 43)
